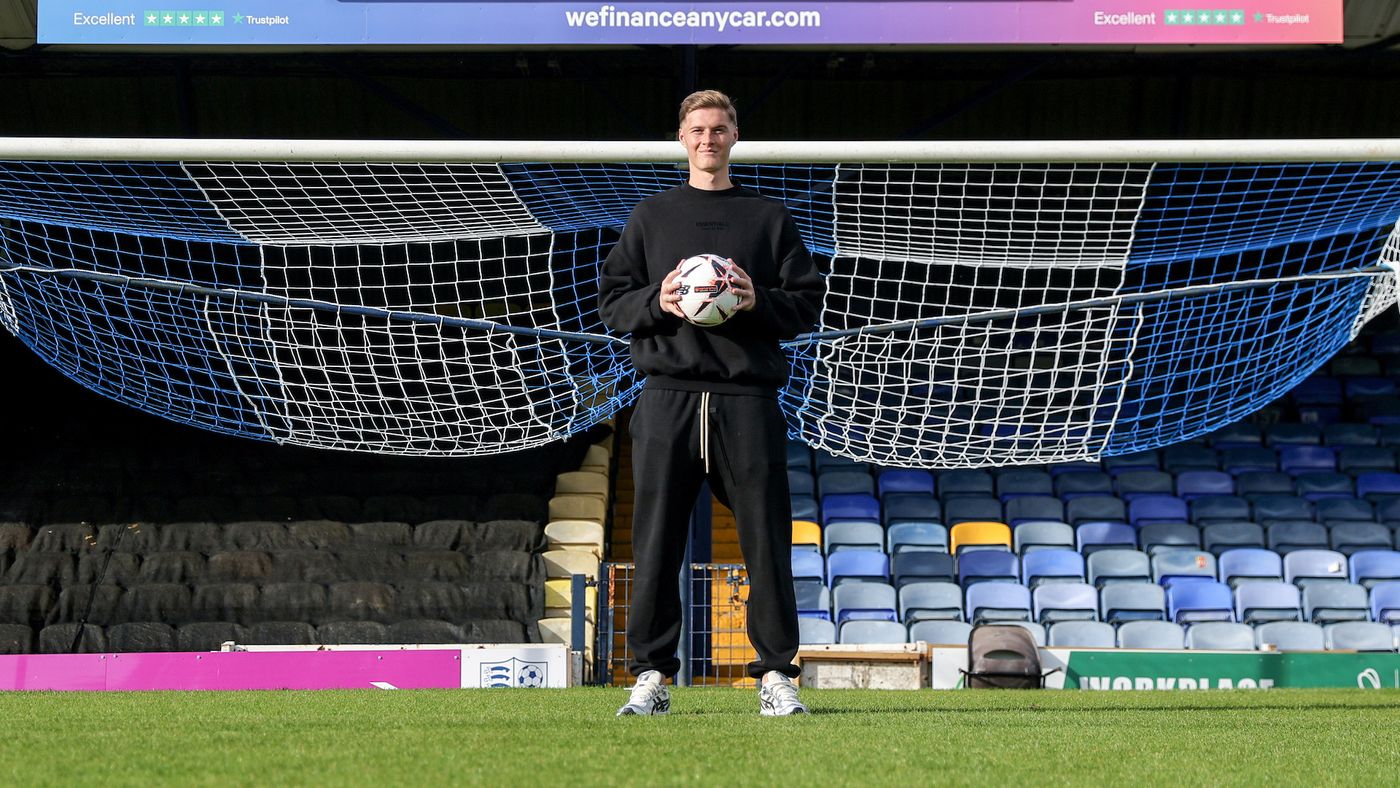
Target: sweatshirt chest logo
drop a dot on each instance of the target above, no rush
(712, 225)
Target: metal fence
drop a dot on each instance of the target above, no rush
(714, 648)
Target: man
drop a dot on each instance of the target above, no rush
(709, 408)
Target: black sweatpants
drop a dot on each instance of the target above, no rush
(747, 455)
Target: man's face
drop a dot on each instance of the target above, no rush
(708, 135)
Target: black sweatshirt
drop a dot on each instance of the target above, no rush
(740, 356)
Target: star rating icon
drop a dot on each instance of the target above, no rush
(169, 19)
(200, 19)
(152, 19)
(216, 19)
(1171, 17)
(184, 19)
(1220, 17)
(238, 19)
(1237, 18)
(1188, 18)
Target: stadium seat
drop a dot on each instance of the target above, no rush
(940, 633)
(813, 600)
(800, 482)
(1174, 567)
(1289, 636)
(1385, 602)
(848, 506)
(1141, 461)
(1052, 566)
(1155, 635)
(921, 566)
(965, 484)
(1359, 636)
(805, 507)
(1018, 483)
(1148, 509)
(96, 604)
(823, 461)
(857, 565)
(1095, 509)
(323, 566)
(1037, 630)
(1080, 466)
(1356, 460)
(1296, 459)
(1035, 508)
(902, 480)
(424, 631)
(382, 534)
(1220, 538)
(1289, 536)
(1093, 537)
(1240, 461)
(912, 536)
(152, 602)
(1107, 567)
(275, 633)
(138, 636)
(207, 635)
(1334, 510)
(1305, 567)
(237, 602)
(1249, 564)
(911, 507)
(806, 534)
(864, 601)
(1269, 509)
(998, 602)
(1122, 602)
(1187, 457)
(1188, 603)
(1262, 602)
(1375, 486)
(799, 456)
(815, 632)
(1042, 535)
(854, 535)
(1278, 435)
(1080, 484)
(1219, 508)
(1055, 602)
(1341, 435)
(971, 510)
(1256, 485)
(354, 601)
(845, 483)
(58, 639)
(930, 601)
(808, 565)
(338, 633)
(1349, 538)
(983, 566)
(1220, 636)
(1366, 387)
(1082, 634)
(1160, 537)
(1131, 485)
(979, 535)
(1236, 435)
(1318, 486)
(1328, 603)
(1369, 568)
(873, 632)
(1191, 485)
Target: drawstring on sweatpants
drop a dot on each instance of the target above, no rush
(705, 429)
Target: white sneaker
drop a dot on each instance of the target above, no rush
(649, 697)
(777, 696)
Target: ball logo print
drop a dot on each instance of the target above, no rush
(514, 673)
(706, 298)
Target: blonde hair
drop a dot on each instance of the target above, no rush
(704, 99)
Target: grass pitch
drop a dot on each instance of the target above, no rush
(713, 736)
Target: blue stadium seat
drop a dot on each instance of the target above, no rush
(1221, 537)
(1148, 509)
(1187, 457)
(845, 483)
(1269, 509)
(1328, 603)
(1037, 630)
(1258, 603)
(914, 536)
(1156, 635)
(1349, 538)
(1016, 483)
(805, 507)
(1370, 568)
(1054, 602)
(849, 506)
(1078, 484)
(1136, 484)
(799, 457)
(1331, 510)
(1253, 459)
(1278, 435)
(1374, 486)
(920, 566)
(807, 565)
(857, 565)
(1289, 636)
(964, 484)
(916, 507)
(1130, 463)
(1092, 537)
(1095, 509)
(1240, 434)
(1080, 466)
(1345, 366)
(1305, 567)
(1219, 508)
(815, 632)
(998, 602)
(1032, 508)
(1220, 636)
(813, 600)
(1114, 566)
(1248, 565)
(1369, 387)
(1357, 460)
(1287, 536)
(1191, 485)
(1082, 634)
(940, 633)
(1052, 566)
(1294, 460)
(1188, 603)
(1385, 602)
(1122, 602)
(1317, 486)
(1183, 567)
(853, 535)
(1359, 636)
(1253, 485)
(971, 510)
(1318, 390)
(865, 601)
(988, 566)
(1042, 535)
(801, 482)
(872, 632)
(930, 601)
(824, 461)
(1340, 435)
(903, 480)
(1161, 537)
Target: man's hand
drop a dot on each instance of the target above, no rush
(671, 299)
(742, 286)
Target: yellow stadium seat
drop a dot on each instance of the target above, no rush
(975, 533)
(567, 563)
(559, 595)
(806, 532)
(577, 507)
(594, 485)
(582, 535)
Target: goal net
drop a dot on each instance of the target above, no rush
(986, 305)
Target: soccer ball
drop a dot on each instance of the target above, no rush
(531, 676)
(706, 299)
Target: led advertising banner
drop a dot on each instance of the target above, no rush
(516, 22)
